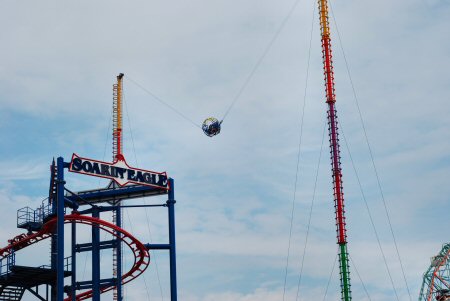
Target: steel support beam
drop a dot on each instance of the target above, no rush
(60, 230)
(173, 263)
(158, 246)
(95, 259)
(119, 255)
(85, 285)
(87, 247)
(36, 294)
(73, 291)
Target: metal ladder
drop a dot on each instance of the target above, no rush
(115, 258)
(117, 117)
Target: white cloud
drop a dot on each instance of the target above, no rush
(19, 170)
(234, 191)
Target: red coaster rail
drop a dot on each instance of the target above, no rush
(141, 254)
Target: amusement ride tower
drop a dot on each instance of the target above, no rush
(334, 150)
(64, 206)
(117, 155)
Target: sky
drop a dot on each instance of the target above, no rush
(236, 192)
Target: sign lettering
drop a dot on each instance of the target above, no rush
(119, 172)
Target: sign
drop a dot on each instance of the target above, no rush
(119, 171)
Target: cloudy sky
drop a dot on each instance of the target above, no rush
(235, 192)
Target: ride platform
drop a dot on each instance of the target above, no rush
(23, 276)
(112, 194)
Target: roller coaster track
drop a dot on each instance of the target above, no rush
(141, 255)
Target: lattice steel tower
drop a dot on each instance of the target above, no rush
(117, 155)
(334, 150)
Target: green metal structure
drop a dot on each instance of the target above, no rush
(436, 280)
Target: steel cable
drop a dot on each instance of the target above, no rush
(331, 275)
(163, 102)
(261, 58)
(300, 138)
(359, 276)
(145, 209)
(310, 212)
(369, 213)
(246, 82)
(371, 155)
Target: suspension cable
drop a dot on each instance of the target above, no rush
(300, 135)
(371, 156)
(369, 213)
(145, 209)
(261, 58)
(360, 279)
(246, 82)
(293, 200)
(315, 184)
(310, 212)
(331, 275)
(153, 95)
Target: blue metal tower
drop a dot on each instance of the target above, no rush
(86, 207)
(47, 221)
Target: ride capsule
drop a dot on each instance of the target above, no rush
(211, 126)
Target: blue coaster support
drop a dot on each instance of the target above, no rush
(73, 291)
(59, 198)
(173, 264)
(60, 230)
(171, 246)
(95, 258)
(119, 255)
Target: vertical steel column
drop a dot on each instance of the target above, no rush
(173, 264)
(54, 240)
(119, 254)
(117, 155)
(60, 230)
(95, 258)
(53, 256)
(74, 261)
(334, 150)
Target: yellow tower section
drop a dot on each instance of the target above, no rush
(117, 118)
(117, 155)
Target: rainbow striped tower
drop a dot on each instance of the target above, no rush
(334, 150)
